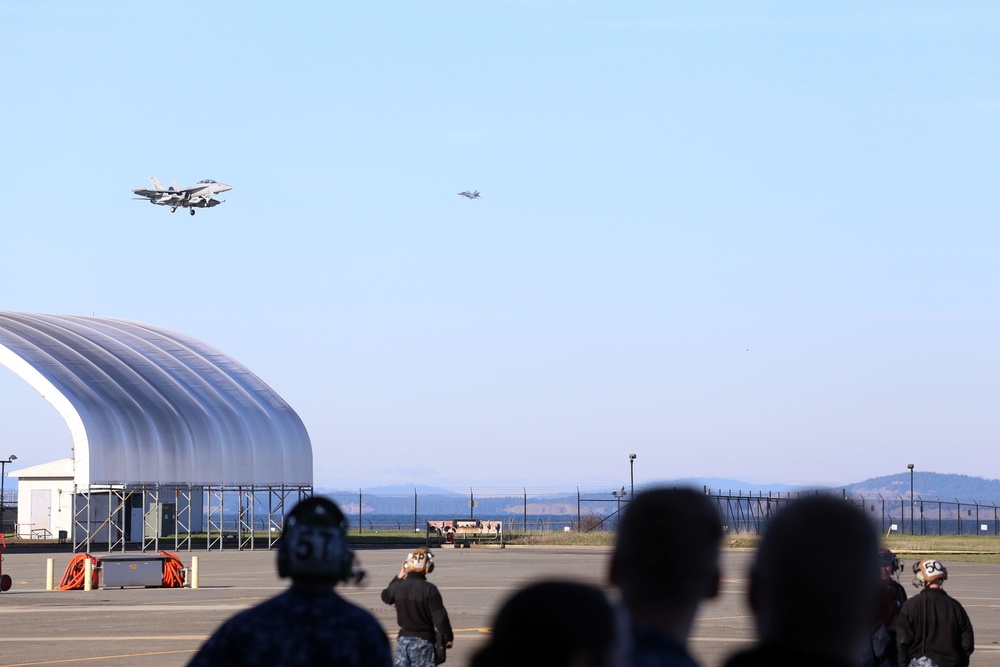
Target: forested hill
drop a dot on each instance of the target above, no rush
(929, 486)
(401, 499)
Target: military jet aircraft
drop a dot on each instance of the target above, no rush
(470, 195)
(198, 195)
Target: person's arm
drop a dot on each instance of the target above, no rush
(442, 624)
(389, 593)
(968, 638)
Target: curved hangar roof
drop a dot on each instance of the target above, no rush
(146, 405)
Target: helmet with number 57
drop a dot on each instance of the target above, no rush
(313, 545)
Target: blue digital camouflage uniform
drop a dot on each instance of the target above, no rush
(298, 627)
(652, 649)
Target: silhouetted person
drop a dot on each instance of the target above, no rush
(814, 586)
(551, 624)
(665, 562)
(933, 624)
(882, 650)
(424, 628)
(309, 624)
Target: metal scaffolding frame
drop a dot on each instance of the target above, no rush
(109, 530)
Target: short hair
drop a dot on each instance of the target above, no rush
(816, 574)
(667, 548)
(552, 623)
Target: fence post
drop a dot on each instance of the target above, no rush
(414, 509)
(525, 489)
(361, 524)
(579, 521)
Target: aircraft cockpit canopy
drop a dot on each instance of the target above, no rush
(207, 180)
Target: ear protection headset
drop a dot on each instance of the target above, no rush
(313, 544)
(419, 560)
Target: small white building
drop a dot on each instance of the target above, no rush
(45, 500)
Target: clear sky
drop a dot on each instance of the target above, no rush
(754, 240)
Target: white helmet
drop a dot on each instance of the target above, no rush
(419, 560)
(927, 571)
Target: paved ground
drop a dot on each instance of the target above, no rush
(163, 627)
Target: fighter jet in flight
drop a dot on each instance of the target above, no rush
(198, 195)
(470, 195)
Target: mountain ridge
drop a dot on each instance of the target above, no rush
(926, 486)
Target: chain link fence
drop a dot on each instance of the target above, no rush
(588, 509)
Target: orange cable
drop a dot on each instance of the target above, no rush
(173, 570)
(73, 576)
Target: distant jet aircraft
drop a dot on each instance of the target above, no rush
(198, 195)
(470, 195)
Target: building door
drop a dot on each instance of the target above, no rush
(135, 529)
(41, 512)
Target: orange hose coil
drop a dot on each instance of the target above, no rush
(73, 576)
(173, 570)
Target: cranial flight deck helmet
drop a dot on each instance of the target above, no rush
(313, 545)
(927, 571)
(419, 560)
(888, 559)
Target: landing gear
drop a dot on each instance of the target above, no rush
(173, 209)
(192, 211)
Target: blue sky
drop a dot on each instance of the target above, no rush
(746, 240)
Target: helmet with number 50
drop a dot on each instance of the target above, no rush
(927, 571)
(313, 545)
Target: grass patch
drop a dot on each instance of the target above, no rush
(543, 538)
(599, 538)
(963, 548)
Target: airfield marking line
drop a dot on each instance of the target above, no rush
(48, 609)
(102, 657)
(722, 618)
(179, 638)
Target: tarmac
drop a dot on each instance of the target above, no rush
(160, 627)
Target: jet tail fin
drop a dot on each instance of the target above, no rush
(156, 184)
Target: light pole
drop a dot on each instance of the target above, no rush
(910, 466)
(631, 473)
(3, 477)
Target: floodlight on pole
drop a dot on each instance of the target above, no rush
(912, 529)
(631, 472)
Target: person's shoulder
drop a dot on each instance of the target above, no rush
(914, 601)
(266, 609)
(650, 649)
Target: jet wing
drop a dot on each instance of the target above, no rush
(142, 192)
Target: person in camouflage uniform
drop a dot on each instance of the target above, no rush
(309, 624)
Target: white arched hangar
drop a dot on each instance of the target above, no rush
(171, 437)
